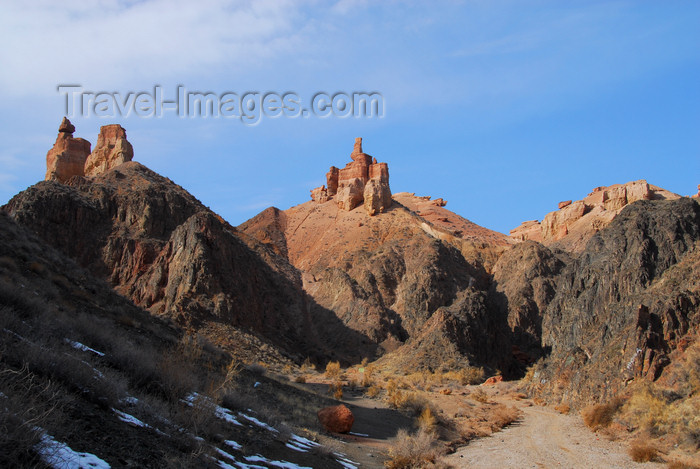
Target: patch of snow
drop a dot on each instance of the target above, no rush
(233, 445)
(224, 454)
(61, 456)
(84, 348)
(257, 383)
(258, 422)
(129, 400)
(301, 444)
(221, 412)
(280, 464)
(124, 417)
(358, 434)
(345, 462)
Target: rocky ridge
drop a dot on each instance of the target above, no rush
(574, 223)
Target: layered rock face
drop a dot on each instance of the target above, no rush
(68, 155)
(362, 181)
(71, 156)
(112, 149)
(574, 223)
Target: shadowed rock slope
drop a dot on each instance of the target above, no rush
(618, 310)
(159, 246)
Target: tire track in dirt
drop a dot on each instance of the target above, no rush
(545, 439)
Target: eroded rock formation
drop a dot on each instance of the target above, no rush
(362, 181)
(575, 222)
(112, 149)
(72, 157)
(67, 157)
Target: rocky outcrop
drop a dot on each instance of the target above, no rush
(68, 155)
(72, 157)
(624, 304)
(362, 181)
(574, 223)
(112, 149)
(336, 419)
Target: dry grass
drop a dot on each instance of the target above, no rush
(600, 415)
(479, 395)
(335, 389)
(642, 452)
(562, 408)
(373, 391)
(420, 450)
(427, 420)
(333, 370)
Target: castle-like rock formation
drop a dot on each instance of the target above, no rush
(361, 181)
(72, 157)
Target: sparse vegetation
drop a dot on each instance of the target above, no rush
(420, 450)
(642, 452)
(600, 415)
(333, 370)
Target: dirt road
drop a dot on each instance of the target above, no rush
(545, 439)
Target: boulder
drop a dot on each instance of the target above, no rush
(350, 194)
(67, 157)
(336, 419)
(111, 150)
(564, 204)
(493, 380)
(319, 194)
(377, 197)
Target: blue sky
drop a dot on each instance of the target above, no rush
(503, 108)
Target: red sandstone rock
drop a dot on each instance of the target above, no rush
(337, 419)
(440, 202)
(332, 181)
(363, 180)
(564, 204)
(377, 196)
(493, 380)
(320, 194)
(112, 149)
(67, 157)
(350, 194)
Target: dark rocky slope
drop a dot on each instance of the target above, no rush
(618, 310)
(159, 246)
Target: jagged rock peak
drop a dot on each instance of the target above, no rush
(112, 149)
(71, 157)
(67, 156)
(361, 181)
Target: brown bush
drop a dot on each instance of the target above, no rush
(562, 408)
(333, 370)
(479, 395)
(419, 450)
(600, 415)
(503, 416)
(373, 391)
(642, 452)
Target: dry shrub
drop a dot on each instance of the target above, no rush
(600, 415)
(427, 420)
(471, 375)
(642, 452)
(367, 375)
(333, 370)
(562, 408)
(373, 391)
(307, 365)
(336, 389)
(419, 450)
(503, 416)
(479, 395)
(300, 379)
